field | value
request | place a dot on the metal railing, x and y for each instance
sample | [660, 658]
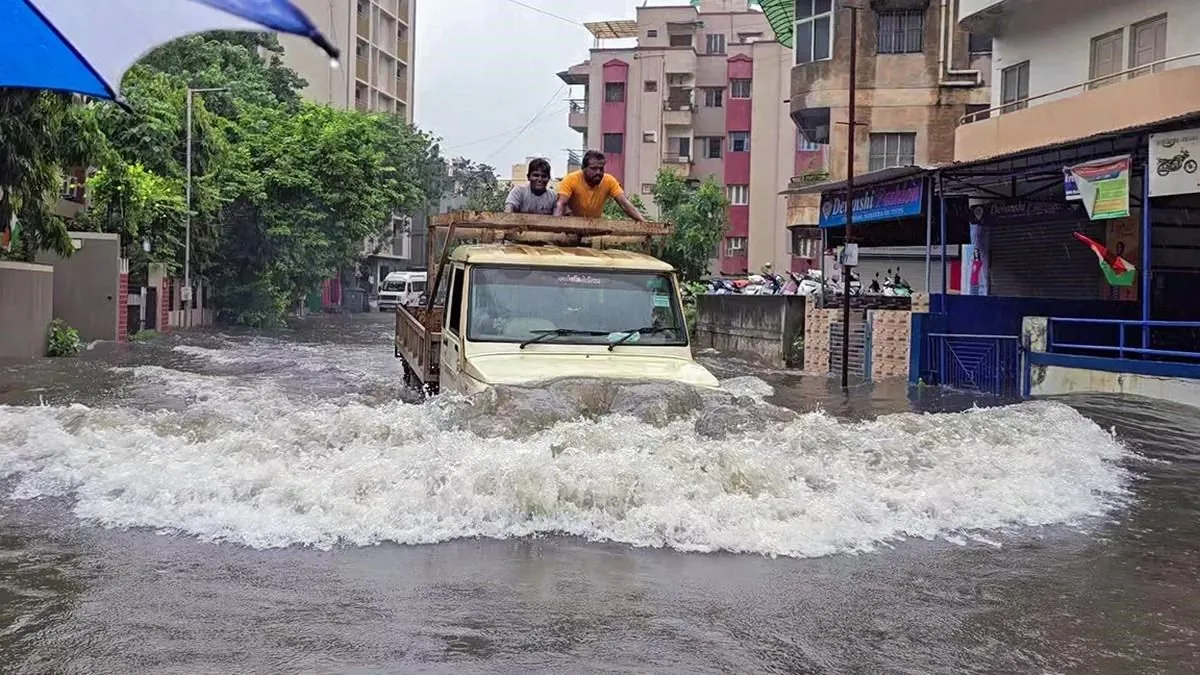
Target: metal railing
[985, 363]
[578, 106]
[1122, 345]
[1103, 80]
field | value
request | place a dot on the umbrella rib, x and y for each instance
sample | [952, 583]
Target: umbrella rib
[70, 45]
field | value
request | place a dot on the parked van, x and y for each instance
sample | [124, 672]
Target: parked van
[401, 289]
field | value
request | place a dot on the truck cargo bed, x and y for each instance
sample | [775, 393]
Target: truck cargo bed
[418, 343]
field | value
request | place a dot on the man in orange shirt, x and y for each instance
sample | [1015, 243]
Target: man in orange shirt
[585, 191]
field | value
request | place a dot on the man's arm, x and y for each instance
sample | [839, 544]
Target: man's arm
[560, 207]
[629, 208]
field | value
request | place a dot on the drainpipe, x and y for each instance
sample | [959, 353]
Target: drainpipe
[946, 54]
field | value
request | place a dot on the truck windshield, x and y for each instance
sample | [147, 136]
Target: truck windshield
[512, 304]
[392, 286]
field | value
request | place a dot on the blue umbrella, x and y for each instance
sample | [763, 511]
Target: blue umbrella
[85, 46]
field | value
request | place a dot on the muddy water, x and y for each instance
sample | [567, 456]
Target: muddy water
[230, 502]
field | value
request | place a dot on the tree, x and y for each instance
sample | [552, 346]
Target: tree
[699, 214]
[478, 183]
[613, 210]
[41, 135]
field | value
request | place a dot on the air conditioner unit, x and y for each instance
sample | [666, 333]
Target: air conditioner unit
[649, 136]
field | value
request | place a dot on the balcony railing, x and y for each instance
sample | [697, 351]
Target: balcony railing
[677, 158]
[578, 106]
[1093, 83]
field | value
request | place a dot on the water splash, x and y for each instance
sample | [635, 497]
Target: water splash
[249, 462]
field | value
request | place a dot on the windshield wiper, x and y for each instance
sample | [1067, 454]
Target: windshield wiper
[629, 334]
[540, 335]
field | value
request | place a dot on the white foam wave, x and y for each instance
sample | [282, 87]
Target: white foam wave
[254, 468]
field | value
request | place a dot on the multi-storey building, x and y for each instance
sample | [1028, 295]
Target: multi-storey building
[376, 40]
[918, 74]
[698, 85]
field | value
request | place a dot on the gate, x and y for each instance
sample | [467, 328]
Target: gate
[150, 307]
[860, 348]
[990, 364]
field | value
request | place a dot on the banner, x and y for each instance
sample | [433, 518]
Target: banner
[1122, 238]
[1173, 167]
[1102, 185]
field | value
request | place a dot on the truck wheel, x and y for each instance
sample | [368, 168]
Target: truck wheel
[409, 379]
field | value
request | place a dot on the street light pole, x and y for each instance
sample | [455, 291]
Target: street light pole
[852, 128]
[187, 232]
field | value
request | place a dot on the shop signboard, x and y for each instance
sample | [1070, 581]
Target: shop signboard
[1173, 163]
[873, 203]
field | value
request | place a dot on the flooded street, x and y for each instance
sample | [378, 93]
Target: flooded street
[231, 502]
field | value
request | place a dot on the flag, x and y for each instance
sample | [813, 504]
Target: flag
[1117, 270]
[9, 235]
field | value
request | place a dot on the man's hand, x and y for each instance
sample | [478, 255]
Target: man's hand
[561, 205]
[629, 209]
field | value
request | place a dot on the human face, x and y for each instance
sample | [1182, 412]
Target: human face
[593, 173]
[538, 180]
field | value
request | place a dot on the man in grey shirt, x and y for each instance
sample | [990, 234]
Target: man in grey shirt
[534, 197]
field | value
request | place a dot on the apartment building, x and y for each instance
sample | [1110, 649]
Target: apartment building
[1067, 70]
[376, 40]
[919, 73]
[701, 90]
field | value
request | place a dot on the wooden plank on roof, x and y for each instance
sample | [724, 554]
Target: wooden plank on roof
[513, 223]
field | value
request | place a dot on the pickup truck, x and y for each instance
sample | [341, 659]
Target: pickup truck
[537, 298]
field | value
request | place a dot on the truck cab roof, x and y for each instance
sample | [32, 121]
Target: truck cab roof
[557, 256]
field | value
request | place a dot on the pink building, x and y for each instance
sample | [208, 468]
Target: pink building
[701, 91]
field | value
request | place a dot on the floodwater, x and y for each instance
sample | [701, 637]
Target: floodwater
[239, 503]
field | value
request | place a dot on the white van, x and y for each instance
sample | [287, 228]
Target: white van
[401, 288]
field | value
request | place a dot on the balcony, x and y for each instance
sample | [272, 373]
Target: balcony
[986, 17]
[577, 116]
[361, 68]
[1150, 93]
[364, 26]
[679, 164]
[403, 12]
[678, 108]
[679, 61]
[576, 75]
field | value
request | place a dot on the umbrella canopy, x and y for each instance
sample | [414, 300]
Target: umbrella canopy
[85, 46]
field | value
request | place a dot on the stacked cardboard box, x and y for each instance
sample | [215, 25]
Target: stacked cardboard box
[816, 338]
[891, 336]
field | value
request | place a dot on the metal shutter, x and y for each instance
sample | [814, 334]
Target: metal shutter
[1043, 260]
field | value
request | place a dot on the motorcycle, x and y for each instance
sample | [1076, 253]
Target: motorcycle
[1183, 160]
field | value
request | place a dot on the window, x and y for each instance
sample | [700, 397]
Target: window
[735, 246]
[614, 144]
[1147, 44]
[739, 88]
[1014, 87]
[739, 195]
[979, 44]
[650, 86]
[614, 92]
[400, 70]
[647, 188]
[679, 147]
[712, 147]
[805, 145]
[681, 39]
[804, 245]
[714, 43]
[900, 32]
[813, 34]
[454, 306]
[1106, 57]
[739, 141]
[714, 97]
[651, 33]
[977, 112]
[893, 149]
[514, 304]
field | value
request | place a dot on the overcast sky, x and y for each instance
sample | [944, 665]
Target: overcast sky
[485, 68]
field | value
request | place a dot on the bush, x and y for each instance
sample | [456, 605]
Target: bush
[63, 340]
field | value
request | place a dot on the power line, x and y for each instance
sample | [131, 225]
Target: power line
[539, 10]
[528, 124]
[546, 115]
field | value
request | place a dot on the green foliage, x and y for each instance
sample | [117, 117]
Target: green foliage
[62, 340]
[699, 216]
[40, 134]
[478, 184]
[613, 210]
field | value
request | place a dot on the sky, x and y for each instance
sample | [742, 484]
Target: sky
[486, 68]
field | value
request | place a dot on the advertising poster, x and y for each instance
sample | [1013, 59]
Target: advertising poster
[1122, 238]
[974, 263]
[1173, 163]
[1102, 185]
